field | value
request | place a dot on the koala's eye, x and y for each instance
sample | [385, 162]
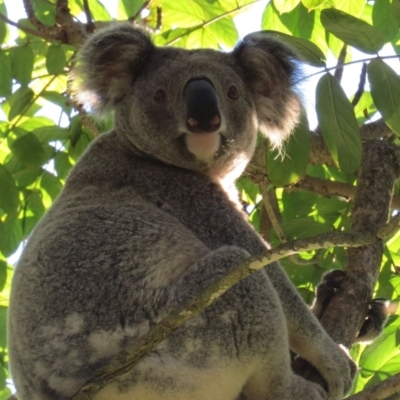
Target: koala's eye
[160, 96]
[233, 93]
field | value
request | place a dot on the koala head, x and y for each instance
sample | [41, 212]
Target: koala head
[196, 109]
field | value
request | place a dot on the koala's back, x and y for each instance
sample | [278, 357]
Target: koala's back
[117, 253]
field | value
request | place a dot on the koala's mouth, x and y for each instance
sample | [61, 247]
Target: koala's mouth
[203, 146]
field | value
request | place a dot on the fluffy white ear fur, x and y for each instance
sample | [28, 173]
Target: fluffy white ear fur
[271, 70]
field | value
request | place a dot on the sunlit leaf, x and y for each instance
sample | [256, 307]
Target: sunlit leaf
[22, 64]
[272, 21]
[225, 32]
[375, 356]
[284, 6]
[184, 14]
[288, 168]
[352, 7]
[312, 4]
[128, 8]
[352, 31]
[55, 60]
[385, 90]
[338, 124]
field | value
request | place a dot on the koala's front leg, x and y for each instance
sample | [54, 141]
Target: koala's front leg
[308, 339]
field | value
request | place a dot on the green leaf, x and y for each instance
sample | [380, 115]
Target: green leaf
[271, 20]
[352, 7]
[380, 351]
[383, 19]
[3, 24]
[22, 63]
[352, 31]
[29, 150]
[308, 52]
[9, 196]
[3, 274]
[44, 11]
[365, 108]
[303, 227]
[53, 133]
[20, 101]
[34, 202]
[286, 169]
[338, 124]
[385, 90]
[55, 60]
[62, 165]
[128, 8]
[51, 184]
[6, 74]
[285, 6]
[396, 11]
[10, 235]
[58, 99]
[184, 14]
[224, 31]
[312, 4]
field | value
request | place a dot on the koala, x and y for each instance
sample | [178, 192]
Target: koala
[376, 316]
[149, 218]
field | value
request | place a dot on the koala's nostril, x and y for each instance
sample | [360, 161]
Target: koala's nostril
[196, 126]
[202, 112]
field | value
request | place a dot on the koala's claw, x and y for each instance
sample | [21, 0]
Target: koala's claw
[374, 321]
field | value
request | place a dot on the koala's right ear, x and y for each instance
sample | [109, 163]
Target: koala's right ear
[108, 63]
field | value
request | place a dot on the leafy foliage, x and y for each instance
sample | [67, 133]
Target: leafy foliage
[43, 133]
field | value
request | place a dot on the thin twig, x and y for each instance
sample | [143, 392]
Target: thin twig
[88, 14]
[361, 85]
[339, 66]
[134, 17]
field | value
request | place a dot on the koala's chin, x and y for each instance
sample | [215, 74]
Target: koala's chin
[204, 146]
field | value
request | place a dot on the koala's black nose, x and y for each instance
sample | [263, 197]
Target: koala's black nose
[202, 113]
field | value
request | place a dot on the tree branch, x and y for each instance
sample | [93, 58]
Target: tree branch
[379, 170]
[328, 188]
[24, 28]
[380, 391]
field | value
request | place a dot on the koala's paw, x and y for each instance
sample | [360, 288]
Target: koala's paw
[340, 373]
[330, 285]
[374, 321]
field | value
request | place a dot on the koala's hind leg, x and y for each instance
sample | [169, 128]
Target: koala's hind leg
[277, 381]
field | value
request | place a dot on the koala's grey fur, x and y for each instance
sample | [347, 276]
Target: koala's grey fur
[148, 219]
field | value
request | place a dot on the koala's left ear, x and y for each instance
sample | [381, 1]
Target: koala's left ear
[270, 70]
[108, 64]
